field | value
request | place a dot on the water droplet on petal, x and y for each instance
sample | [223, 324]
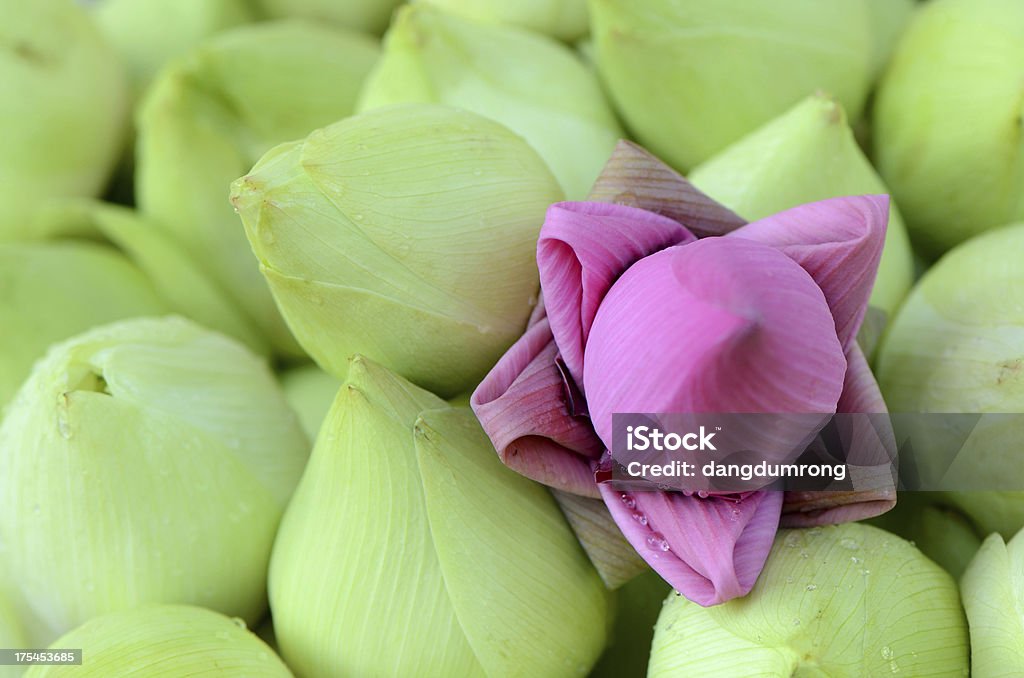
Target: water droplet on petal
[812, 587]
[640, 518]
[629, 501]
[887, 652]
[657, 542]
[239, 622]
[849, 544]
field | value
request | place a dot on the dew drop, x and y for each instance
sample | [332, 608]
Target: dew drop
[796, 622]
[894, 667]
[357, 217]
[239, 622]
[792, 539]
[855, 560]
[887, 652]
[849, 544]
[789, 580]
[657, 542]
[812, 587]
[865, 572]
[640, 518]
[628, 501]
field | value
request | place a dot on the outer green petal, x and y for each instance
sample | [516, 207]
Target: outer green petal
[562, 19]
[12, 634]
[993, 595]
[52, 291]
[149, 33]
[525, 594]
[210, 115]
[805, 155]
[63, 103]
[145, 461]
[955, 347]
[848, 600]
[691, 77]
[355, 584]
[310, 391]
[637, 605]
[407, 234]
[371, 16]
[534, 86]
[888, 20]
[947, 120]
[166, 641]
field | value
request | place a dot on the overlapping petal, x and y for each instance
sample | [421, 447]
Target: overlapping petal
[710, 549]
[583, 248]
[839, 242]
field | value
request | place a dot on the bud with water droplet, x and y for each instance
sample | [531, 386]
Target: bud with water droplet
[211, 114]
[805, 155]
[690, 77]
[148, 460]
[409, 549]
[165, 640]
[948, 120]
[840, 600]
[955, 347]
[63, 104]
[534, 86]
[407, 234]
[991, 588]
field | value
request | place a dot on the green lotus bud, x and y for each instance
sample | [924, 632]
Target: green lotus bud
[145, 461]
[992, 589]
[637, 605]
[165, 640]
[691, 77]
[955, 347]
[848, 600]
[407, 234]
[941, 531]
[370, 16]
[948, 120]
[482, 575]
[149, 33]
[562, 19]
[310, 392]
[534, 86]
[888, 20]
[63, 102]
[52, 291]
[805, 155]
[180, 283]
[210, 115]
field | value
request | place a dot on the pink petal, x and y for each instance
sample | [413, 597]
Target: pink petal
[874, 490]
[839, 242]
[718, 325]
[583, 248]
[635, 177]
[521, 405]
[710, 549]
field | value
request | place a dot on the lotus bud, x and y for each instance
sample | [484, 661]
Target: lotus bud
[212, 114]
[165, 640]
[407, 234]
[63, 100]
[149, 33]
[691, 77]
[842, 600]
[637, 605]
[942, 532]
[955, 347]
[536, 87]
[888, 20]
[310, 392]
[368, 16]
[54, 290]
[148, 460]
[562, 19]
[948, 120]
[482, 574]
[805, 155]
[992, 588]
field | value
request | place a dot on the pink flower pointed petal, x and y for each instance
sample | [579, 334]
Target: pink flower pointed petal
[720, 325]
[839, 242]
[874, 448]
[710, 549]
[521, 405]
[583, 248]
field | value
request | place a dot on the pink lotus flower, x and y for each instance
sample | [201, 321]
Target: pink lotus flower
[639, 314]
